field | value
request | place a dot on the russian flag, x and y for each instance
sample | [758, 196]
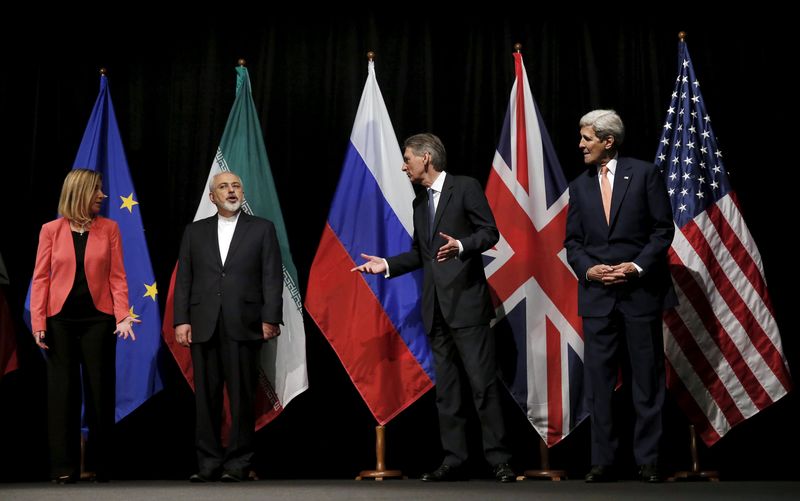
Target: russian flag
[373, 324]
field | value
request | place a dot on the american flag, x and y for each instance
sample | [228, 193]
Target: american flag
[723, 349]
[533, 288]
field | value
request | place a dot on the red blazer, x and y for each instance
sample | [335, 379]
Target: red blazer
[54, 273]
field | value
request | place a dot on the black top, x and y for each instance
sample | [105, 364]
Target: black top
[79, 304]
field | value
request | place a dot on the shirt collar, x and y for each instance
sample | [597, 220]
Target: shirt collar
[612, 165]
[439, 183]
[228, 220]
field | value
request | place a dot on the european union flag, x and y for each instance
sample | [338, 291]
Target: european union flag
[101, 149]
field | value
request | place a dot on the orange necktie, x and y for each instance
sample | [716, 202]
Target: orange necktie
[605, 191]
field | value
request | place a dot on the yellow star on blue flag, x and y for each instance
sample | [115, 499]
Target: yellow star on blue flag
[151, 291]
[101, 150]
[128, 202]
[132, 314]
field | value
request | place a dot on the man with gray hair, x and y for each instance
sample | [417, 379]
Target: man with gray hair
[619, 227]
[453, 225]
[228, 302]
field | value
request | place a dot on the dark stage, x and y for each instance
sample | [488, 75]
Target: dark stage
[297, 490]
[173, 84]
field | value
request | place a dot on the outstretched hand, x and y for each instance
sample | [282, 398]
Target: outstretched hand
[374, 265]
[125, 328]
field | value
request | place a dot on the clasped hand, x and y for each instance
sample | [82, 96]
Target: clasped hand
[612, 274]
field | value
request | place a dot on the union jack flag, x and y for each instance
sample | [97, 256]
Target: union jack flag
[723, 349]
[533, 288]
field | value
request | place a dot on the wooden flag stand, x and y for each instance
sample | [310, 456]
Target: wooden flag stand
[545, 472]
[696, 473]
[380, 472]
[85, 475]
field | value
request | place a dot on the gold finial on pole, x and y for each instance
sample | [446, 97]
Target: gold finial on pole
[371, 56]
[518, 47]
[242, 62]
[682, 36]
[104, 71]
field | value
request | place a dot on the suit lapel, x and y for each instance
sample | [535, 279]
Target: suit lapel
[65, 236]
[238, 234]
[595, 198]
[622, 179]
[444, 199]
[213, 237]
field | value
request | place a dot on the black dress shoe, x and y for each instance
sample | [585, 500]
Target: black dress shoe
[504, 473]
[649, 473]
[64, 479]
[600, 473]
[445, 473]
[233, 476]
[202, 477]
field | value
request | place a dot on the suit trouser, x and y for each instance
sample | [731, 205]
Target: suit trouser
[224, 362]
[469, 350]
[80, 349]
[644, 339]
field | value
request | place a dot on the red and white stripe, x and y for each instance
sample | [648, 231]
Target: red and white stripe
[724, 356]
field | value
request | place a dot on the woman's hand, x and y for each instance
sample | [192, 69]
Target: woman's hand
[125, 328]
[38, 338]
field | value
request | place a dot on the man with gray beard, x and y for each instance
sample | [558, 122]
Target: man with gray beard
[228, 302]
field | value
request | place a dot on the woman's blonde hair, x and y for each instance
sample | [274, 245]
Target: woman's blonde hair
[78, 193]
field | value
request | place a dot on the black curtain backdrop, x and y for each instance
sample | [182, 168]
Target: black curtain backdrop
[173, 84]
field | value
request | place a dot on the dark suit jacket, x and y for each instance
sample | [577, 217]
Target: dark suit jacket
[458, 284]
[247, 289]
[640, 230]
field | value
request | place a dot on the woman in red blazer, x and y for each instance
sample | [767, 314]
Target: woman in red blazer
[79, 300]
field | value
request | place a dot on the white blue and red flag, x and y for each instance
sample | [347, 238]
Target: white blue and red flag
[533, 288]
[723, 349]
[373, 324]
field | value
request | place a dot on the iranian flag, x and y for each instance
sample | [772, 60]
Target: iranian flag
[283, 373]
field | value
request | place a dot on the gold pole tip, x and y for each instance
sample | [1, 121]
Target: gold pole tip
[518, 47]
[242, 62]
[371, 56]
[682, 36]
[103, 71]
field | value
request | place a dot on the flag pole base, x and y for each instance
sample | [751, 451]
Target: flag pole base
[545, 472]
[85, 474]
[696, 473]
[379, 475]
[380, 472]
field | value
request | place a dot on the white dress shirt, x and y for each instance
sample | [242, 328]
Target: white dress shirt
[225, 228]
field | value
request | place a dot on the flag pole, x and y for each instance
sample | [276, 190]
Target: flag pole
[695, 473]
[544, 471]
[380, 472]
[86, 474]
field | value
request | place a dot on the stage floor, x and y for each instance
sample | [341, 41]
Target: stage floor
[413, 489]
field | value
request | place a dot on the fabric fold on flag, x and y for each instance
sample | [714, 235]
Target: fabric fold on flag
[535, 292]
[101, 149]
[8, 338]
[283, 373]
[725, 361]
[374, 325]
